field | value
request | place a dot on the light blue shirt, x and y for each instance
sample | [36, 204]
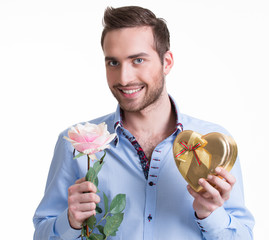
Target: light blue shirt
[158, 207]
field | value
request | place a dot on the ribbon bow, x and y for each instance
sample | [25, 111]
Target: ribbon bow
[195, 146]
[187, 147]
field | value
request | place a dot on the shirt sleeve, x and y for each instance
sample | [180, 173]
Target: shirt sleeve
[51, 219]
[231, 221]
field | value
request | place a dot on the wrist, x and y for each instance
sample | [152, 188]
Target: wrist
[201, 216]
[72, 223]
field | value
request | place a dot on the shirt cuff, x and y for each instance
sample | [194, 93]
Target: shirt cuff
[63, 228]
[216, 222]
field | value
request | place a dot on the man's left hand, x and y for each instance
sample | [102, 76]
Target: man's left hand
[216, 190]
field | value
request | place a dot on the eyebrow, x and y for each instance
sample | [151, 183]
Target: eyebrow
[142, 54]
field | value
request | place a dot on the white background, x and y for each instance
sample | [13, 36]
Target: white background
[52, 76]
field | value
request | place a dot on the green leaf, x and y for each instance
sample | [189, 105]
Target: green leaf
[91, 175]
[79, 155]
[91, 221]
[97, 166]
[114, 233]
[98, 209]
[113, 223]
[95, 236]
[102, 158]
[105, 202]
[118, 203]
[83, 231]
[101, 229]
[96, 182]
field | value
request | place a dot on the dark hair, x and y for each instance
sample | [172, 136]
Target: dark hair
[133, 16]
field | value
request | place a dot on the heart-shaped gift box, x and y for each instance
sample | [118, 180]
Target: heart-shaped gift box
[197, 155]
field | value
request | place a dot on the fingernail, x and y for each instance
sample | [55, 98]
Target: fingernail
[201, 181]
[218, 169]
[209, 177]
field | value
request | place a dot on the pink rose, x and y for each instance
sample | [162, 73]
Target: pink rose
[90, 138]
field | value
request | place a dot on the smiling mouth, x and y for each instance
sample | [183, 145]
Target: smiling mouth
[131, 91]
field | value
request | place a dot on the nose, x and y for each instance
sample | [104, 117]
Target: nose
[126, 74]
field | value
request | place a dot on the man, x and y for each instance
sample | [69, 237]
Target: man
[140, 161]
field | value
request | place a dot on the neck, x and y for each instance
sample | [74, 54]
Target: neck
[157, 120]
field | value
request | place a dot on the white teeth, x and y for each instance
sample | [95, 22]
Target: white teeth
[131, 91]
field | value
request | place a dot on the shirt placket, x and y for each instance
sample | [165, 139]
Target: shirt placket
[151, 173]
[151, 192]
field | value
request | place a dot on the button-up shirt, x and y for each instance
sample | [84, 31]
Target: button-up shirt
[158, 205]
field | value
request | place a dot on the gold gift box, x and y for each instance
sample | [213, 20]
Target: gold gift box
[197, 155]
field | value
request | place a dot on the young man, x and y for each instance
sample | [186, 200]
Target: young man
[140, 161]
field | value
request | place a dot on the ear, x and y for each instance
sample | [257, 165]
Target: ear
[168, 62]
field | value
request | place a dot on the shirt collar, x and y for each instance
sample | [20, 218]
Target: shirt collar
[179, 125]
[118, 118]
[118, 125]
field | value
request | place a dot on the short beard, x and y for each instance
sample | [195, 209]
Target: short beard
[149, 100]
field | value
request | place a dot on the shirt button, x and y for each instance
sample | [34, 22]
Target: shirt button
[151, 183]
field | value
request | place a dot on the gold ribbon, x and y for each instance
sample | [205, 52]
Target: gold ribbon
[198, 153]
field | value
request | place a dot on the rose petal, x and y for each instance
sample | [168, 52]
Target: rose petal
[90, 138]
[86, 147]
[76, 137]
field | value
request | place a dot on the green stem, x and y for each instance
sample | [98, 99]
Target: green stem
[89, 162]
[103, 218]
[87, 227]
[88, 233]
[102, 159]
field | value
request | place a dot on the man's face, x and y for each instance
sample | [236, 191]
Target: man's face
[134, 71]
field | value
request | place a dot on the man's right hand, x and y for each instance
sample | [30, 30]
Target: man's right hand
[82, 200]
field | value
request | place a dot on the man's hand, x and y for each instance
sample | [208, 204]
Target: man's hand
[210, 198]
[82, 200]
